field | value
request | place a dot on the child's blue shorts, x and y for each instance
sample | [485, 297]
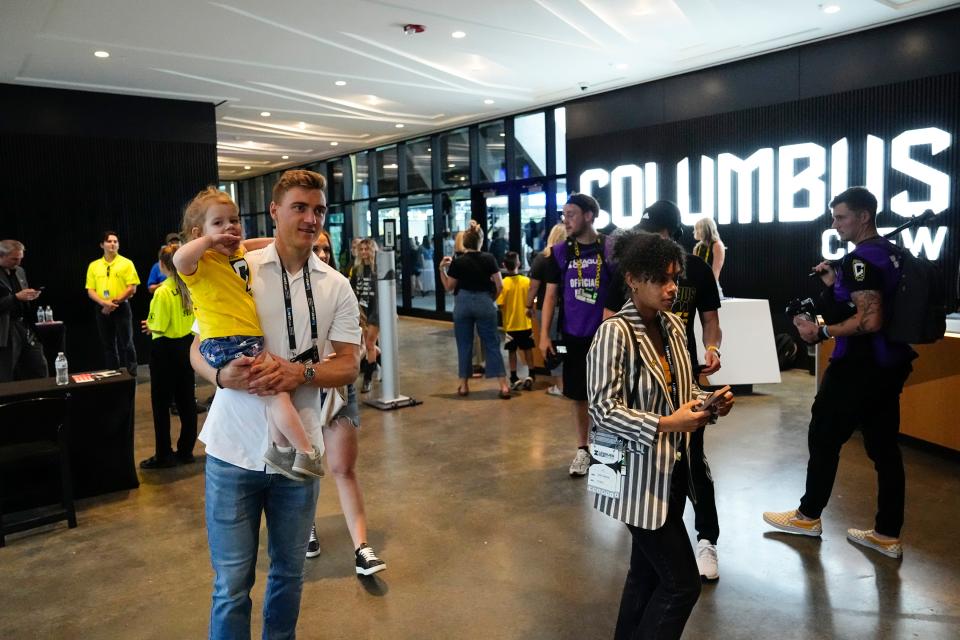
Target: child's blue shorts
[218, 352]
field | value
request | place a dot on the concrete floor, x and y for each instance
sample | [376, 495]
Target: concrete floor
[486, 536]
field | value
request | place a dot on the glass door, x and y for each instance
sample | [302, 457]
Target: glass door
[422, 274]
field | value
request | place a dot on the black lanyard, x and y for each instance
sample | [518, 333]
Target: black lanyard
[668, 353]
[311, 353]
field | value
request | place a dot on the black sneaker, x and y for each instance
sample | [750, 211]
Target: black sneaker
[184, 458]
[153, 462]
[313, 546]
[367, 561]
[367, 385]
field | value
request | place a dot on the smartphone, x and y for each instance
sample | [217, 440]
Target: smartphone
[710, 400]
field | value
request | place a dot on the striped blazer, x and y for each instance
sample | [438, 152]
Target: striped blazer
[649, 456]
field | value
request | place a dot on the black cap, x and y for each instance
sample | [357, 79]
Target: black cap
[662, 214]
[585, 202]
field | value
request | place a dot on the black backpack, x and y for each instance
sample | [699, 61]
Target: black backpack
[918, 314]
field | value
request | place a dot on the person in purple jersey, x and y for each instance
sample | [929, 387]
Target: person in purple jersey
[579, 277]
[862, 384]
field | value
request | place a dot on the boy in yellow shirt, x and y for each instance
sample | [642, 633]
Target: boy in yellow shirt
[516, 320]
[213, 266]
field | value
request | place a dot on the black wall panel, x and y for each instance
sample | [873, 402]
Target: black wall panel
[881, 83]
[73, 164]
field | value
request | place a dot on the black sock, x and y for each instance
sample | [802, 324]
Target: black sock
[513, 376]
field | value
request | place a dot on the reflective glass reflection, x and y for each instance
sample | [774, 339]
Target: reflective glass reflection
[388, 175]
[493, 158]
[530, 145]
[455, 158]
[418, 154]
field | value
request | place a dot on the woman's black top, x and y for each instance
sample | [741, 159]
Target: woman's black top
[472, 271]
[539, 271]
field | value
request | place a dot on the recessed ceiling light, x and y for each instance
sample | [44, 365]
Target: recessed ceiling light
[284, 157]
[265, 114]
[503, 135]
[463, 177]
[251, 142]
[428, 149]
[102, 54]
[302, 125]
[372, 99]
[830, 8]
[334, 143]
[458, 34]
[488, 101]
[452, 165]
[341, 83]
[390, 166]
[399, 125]
[246, 167]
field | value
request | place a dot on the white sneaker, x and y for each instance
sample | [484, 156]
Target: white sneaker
[554, 390]
[313, 545]
[707, 561]
[580, 464]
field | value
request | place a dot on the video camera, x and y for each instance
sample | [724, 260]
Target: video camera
[805, 307]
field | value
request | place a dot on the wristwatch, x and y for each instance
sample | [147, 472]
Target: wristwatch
[308, 373]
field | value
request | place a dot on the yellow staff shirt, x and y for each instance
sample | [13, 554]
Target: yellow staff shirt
[222, 301]
[167, 319]
[513, 299]
[111, 279]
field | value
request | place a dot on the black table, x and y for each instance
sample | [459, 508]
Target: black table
[101, 442]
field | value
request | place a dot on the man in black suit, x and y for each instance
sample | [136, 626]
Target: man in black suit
[21, 355]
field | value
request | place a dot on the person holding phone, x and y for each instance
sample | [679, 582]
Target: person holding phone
[21, 354]
[643, 401]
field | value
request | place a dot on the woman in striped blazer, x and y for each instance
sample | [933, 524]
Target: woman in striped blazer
[642, 399]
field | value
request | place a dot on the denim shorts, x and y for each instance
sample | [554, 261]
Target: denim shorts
[351, 410]
[219, 352]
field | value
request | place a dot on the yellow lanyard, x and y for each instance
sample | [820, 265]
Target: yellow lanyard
[576, 252]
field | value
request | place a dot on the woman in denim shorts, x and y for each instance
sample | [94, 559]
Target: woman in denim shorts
[340, 439]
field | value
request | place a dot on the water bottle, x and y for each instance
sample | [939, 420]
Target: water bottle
[48, 313]
[41, 315]
[61, 364]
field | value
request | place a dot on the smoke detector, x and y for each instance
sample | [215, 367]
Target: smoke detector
[413, 29]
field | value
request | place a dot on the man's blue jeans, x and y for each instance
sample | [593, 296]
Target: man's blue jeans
[235, 499]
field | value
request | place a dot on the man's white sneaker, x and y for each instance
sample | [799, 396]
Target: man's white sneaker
[707, 561]
[554, 390]
[580, 464]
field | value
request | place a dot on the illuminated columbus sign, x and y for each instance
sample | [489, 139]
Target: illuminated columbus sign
[785, 194]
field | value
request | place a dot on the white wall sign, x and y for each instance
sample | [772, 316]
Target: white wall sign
[808, 170]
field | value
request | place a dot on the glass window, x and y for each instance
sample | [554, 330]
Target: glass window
[456, 209]
[361, 172]
[419, 176]
[455, 158]
[493, 157]
[533, 234]
[560, 120]
[256, 204]
[419, 257]
[530, 145]
[337, 168]
[388, 176]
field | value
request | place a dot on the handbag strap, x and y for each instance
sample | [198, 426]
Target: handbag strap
[631, 399]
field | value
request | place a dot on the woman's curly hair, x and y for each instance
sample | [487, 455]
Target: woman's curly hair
[647, 256]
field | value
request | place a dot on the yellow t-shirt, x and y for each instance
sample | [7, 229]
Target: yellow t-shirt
[167, 319]
[513, 299]
[111, 279]
[222, 300]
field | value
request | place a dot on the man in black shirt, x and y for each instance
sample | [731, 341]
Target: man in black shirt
[21, 355]
[697, 292]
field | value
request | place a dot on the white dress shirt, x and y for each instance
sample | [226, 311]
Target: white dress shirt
[235, 430]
